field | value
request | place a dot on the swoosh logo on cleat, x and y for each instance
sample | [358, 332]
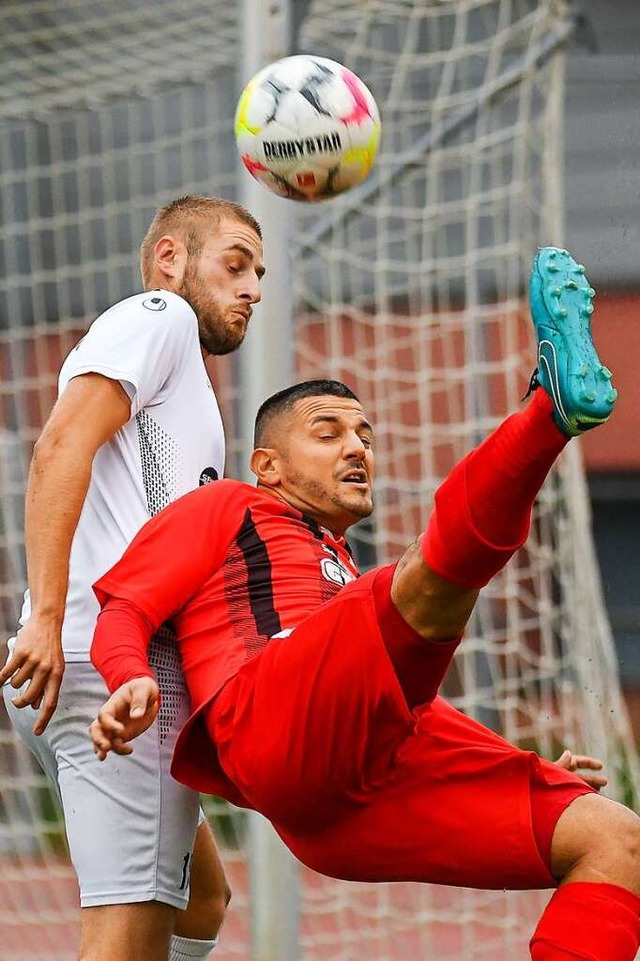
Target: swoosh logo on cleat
[554, 382]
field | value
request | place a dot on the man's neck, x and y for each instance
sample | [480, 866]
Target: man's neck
[320, 521]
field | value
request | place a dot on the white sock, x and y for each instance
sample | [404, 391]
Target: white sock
[186, 949]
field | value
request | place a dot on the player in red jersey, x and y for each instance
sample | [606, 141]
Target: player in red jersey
[323, 714]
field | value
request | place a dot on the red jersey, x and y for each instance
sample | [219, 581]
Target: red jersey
[228, 566]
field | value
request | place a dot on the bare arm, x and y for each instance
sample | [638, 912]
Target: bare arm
[89, 411]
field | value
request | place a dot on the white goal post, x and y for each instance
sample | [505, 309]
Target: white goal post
[411, 288]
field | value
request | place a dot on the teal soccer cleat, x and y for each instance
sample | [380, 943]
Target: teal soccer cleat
[569, 369]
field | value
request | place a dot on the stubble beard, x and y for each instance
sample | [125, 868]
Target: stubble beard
[313, 490]
[217, 336]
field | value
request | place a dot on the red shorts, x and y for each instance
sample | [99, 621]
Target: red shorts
[317, 735]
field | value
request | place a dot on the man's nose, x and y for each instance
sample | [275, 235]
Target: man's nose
[354, 446]
[252, 291]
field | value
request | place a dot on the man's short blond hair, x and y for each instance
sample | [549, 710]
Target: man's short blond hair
[189, 218]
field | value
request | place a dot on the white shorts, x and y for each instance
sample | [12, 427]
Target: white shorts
[130, 825]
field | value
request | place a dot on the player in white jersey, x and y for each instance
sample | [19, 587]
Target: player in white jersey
[136, 425]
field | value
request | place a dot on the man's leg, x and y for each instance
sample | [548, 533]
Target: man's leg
[481, 516]
[482, 511]
[196, 929]
[455, 809]
[595, 913]
[202, 876]
[108, 932]
[465, 808]
[131, 833]
[152, 931]
[135, 932]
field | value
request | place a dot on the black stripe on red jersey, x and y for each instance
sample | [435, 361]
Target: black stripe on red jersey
[313, 526]
[259, 580]
[320, 533]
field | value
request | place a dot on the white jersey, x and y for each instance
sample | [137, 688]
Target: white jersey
[173, 441]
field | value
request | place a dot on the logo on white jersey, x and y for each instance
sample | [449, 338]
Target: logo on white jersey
[333, 570]
[154, 303]
[208, 476]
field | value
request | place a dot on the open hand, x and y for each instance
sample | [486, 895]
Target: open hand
[130, 710]
[37, 658]
[582, 764]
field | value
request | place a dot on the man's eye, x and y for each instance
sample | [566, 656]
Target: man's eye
[367, 441]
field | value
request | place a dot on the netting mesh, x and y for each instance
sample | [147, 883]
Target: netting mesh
[412, 289]
[83, 53]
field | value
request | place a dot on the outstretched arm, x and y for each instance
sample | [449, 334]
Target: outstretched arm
[89, 411]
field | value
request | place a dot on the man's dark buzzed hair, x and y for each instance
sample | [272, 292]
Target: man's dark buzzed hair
[285, 400]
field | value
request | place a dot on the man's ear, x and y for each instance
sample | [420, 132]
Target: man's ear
[169, 260]
[265, 464]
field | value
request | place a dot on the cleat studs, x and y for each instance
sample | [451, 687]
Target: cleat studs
[591, 293]
[579, 268]
[571, 285]
[612, 396]
[553, 253]
[560, 312]
[586, 311]
[555, 291]
[588, 395]
[606, 373]
[583, 370]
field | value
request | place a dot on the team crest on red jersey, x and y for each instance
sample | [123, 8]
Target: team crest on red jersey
[336, 572]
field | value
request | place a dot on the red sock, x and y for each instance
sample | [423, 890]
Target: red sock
[588, 922]
[482, 511]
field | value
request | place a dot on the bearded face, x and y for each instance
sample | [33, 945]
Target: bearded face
[221, 282]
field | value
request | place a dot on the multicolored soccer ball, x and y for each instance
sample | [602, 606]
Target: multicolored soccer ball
[307, 128]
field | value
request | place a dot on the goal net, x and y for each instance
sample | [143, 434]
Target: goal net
[411, 288]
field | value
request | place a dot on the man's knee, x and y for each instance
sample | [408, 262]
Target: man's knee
[205, 912]
[209, 891]
[597, 839]
[138, 932]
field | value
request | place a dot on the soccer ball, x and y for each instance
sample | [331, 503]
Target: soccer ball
[307, 128]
